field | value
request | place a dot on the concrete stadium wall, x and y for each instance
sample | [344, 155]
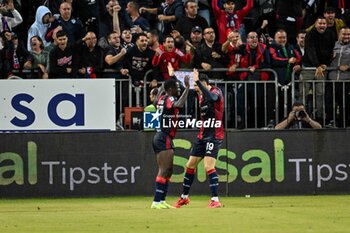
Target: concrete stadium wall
[123, 163]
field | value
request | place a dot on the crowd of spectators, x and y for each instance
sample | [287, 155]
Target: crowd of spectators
[79, 39]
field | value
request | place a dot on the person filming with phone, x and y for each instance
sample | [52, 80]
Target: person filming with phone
[298, 119]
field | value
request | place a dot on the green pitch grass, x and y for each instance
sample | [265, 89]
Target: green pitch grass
[299, 214]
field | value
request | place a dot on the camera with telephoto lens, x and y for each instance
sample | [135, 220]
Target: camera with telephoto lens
[300, 114]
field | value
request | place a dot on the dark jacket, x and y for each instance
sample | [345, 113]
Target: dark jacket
[138, 63]
[93, 59]
[176, 9]
[279, 62]
[204, 54]
[60, 61]
[185, 24]
[318, 48]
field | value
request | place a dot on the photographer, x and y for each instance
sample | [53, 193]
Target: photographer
[298, 119]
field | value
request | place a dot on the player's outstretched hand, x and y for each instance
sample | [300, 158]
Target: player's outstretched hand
[195, 75]
[170, 69]
[187, 81]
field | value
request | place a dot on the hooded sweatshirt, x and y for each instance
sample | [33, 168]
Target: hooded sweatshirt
[38, 28]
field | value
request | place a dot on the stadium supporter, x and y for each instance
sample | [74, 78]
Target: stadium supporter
[114, 53]
[208, 141]
[179, 41]
[168, 107]
[300, 46]
[341, 62]
[126, 39]
[53, 5]
[138, 60]
[288, 15]
[309, 12]
[333, 23]
[338, 5]
[229, 18]
[88, 11]
[63, 63]
[54, 39]
[5, 54]
[114, 58]
[254, 55]
[41, 56]
[107, 15]
[168, 14]
[283, 59]
[43, 19]
[229, 47]
[319, 44]
[194, 42]
[19, 56]
[7, 23]
[168, 53]
[298, 119]
[153, 39]
[204, 10]
[266, 15]
[341, 59]
[209, 54]
[196, 37]
[91, 57]
[185, 24]
[116, 19]
[72, 26]
[346, 14]
[135, 20]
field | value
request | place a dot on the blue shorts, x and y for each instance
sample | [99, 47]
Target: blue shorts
[202, 148]
[162, 142]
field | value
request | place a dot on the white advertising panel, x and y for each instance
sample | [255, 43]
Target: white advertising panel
[57, 105]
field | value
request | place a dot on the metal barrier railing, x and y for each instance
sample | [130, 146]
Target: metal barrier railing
[246, 85]
[332, 105]
[326, 100]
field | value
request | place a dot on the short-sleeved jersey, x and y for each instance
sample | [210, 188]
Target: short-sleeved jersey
[169, 115]
[212, 111]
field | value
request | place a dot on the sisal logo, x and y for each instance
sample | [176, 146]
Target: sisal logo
[25, 169]
[20, 101]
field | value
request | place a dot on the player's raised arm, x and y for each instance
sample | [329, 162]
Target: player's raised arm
[181, 101]
[171, 71]
[161, 89]
[211, 96]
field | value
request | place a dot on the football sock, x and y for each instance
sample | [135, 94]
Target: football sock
[213, 182]
[162, 199]
[160, 188]
[188, 180]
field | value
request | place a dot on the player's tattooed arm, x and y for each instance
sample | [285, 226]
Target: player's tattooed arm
[208, 95]
[161, 91]
[182, 100]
